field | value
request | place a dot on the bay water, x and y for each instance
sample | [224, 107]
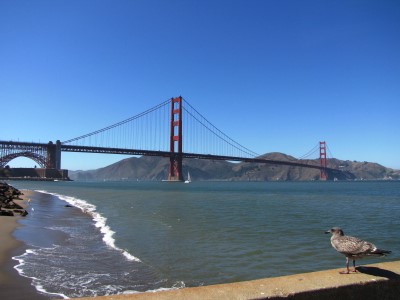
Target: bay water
[128, 237]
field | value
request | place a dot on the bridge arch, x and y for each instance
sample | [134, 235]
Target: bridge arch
[39, 159]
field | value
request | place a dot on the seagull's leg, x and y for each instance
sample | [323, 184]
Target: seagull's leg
[354, 265]
[347, 267]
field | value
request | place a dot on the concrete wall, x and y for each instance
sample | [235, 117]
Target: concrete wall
[33, 173]
[371, 282]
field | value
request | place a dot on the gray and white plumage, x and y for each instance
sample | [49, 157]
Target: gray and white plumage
[352, 247]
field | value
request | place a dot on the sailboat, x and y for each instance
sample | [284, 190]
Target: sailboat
[188, 180]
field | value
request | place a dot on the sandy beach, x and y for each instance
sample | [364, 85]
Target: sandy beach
[12, 285]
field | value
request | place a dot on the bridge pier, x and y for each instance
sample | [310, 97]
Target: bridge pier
[58, 154]
[53, 155]
[175, 168]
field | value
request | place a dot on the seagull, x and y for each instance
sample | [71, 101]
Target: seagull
[353, 248]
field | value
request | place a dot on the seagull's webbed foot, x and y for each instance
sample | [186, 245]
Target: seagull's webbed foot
[347, 267]
[354, 266]
[347, 271]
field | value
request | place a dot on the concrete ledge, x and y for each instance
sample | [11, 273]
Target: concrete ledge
[377, 281]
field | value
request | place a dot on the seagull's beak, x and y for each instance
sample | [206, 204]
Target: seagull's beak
[327, 231]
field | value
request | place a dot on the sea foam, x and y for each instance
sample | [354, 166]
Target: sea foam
[100, 221]
[35, 281]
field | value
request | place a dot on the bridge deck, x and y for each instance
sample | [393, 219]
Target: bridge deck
[71, 148]
[104, 150]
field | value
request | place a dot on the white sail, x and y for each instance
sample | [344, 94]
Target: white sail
[188, 180]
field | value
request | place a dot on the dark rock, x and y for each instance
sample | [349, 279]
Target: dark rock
[7, 195]
[6, 213]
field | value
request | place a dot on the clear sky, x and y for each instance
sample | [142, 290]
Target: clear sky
[276, 76]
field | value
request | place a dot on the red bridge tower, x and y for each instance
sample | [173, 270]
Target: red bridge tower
[175, 160]
[322, 159]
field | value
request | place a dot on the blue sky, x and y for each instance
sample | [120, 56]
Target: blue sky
[276, 76]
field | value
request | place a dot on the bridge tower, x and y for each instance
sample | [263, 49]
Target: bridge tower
[175, 160]
[58, 154]
[53, 157]
[322, 160]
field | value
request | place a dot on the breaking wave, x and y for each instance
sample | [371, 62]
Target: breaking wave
[100, 221]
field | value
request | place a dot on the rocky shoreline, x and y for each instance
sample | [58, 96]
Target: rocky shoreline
[8, 207]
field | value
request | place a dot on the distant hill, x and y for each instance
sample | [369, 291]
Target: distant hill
[156, 168]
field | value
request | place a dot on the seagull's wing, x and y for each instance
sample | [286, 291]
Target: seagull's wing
[352, 245]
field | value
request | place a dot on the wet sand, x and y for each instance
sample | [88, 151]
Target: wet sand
[12, 285]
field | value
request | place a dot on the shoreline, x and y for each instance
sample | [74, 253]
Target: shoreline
[13, 285]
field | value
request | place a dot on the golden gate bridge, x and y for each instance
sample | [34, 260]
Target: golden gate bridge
[172, 129]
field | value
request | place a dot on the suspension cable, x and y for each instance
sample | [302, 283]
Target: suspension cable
[221, 135]
[312, 151]
[329, 151]
[119, 123]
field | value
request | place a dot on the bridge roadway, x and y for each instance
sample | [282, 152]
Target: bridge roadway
[72, 148]
[89, 149]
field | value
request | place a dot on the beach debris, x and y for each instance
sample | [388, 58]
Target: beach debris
[353, 248]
